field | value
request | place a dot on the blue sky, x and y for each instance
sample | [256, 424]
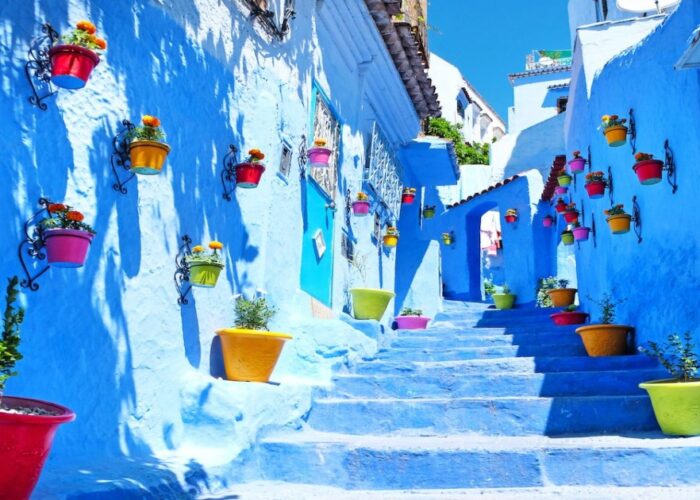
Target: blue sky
[488, 39]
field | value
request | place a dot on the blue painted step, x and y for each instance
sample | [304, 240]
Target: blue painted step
[454, 354]
[466, 340]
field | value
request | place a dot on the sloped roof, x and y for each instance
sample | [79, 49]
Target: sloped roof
[558, 168]
[487, 190]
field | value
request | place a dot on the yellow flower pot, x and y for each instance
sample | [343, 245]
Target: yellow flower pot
[616, 136]
[370, 303]
[250, 355]
[562, 297]
[604, 340]
[148, 157]
[619, 224]
[391, 241]
[675, 405]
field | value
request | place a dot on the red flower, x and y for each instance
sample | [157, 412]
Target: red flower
[56, 207]
[86, 26]
[75, 216]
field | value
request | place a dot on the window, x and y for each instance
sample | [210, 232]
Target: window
[285, 160]
[460, 108]
[347, 247]
[383, 173]
[326, 126]
[561, 104]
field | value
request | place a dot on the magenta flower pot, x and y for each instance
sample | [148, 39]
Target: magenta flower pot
[412, 322]
[319, 157]
[548, 221]
[561, 190]
[67, 247]
[577, 165]
[581, 233]
[360, 208]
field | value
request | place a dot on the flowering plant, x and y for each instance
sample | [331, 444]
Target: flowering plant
[577, 154]
[149, 130]
[571, 207]
[616, 210]
[596, 176]
[319, 142]
[643, 156]
[512, 211]
[612, 121]
[255, 156]
[409, 190]
[407, 311]
[10, 338]
[84, 36]
[200, 256]
[362, 196]
[63, 217]
[391, 231]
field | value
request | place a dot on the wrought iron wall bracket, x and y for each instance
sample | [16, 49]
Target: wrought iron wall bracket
[609, 182]
[120, 157]
[182, 271]
[590, 160]
[37, 69]
[267, 18]
[670, 167]
[637, 219]
[593, 231]
[303, 157]
[228, 173]
[32, 246]
[633, 131]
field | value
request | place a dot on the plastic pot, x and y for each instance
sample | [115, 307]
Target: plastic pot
[71, 65]
[447, 240]
[577, 165]
[571, 216]
[511, 219]
[560, 207]
[616, 136]
[147, 157]
[26, 443]
[250, 355]
[562, 297]
[649, 171]
[503, 300]
[429, 213]
[581, 233]
[319, 157]
[390, 240]
[67, 247]
[407, 199]
[412, 322]
[561, 190]
[619, 224]
[675, 405]
[567, 238]
[564, 180]
[248, 174]
[595, 189]
[569, 318]
[548, 221]
[204, 275]
[370, 303]
[604, 340]
[360, 208]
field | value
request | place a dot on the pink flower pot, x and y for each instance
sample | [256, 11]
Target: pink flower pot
[319, 157]
[560, 190]
[577, 165]
[649, 171]
[581, 233]
[360, 208]
[569, 318]
[548, 221]
[412, 322]
[595, 189]
[67, 247]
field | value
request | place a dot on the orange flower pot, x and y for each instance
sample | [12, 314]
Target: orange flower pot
[562, 297]
[616, 136]
[148, 157]
[604, 340]
[619, 224]
[250, 355]
[391, 241]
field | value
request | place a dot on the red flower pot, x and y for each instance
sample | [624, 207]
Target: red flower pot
[407, 199]
[560, 207]
[571, 216]
[649, 171]
[569, 318]
[248, 174]
[560, 190]
[360, 208]
[581, 233]
[67, 247]
[71, 65]
[26, 443]
[577, 165]
[510, 219]
[595, 189]
[548, 221]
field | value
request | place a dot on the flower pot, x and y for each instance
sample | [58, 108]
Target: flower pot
[564, 180]
[319, 157]
[407, 199]
[569, 318]
[604, 340]
[248, 174]
[548, 221]
[567, 238]
[390, 240]
[447, 240]
[204, 275]
[571, 216]
[577, 165]
[71, 65]
[595, 189]
[429, 213]
[675, 405]
[360, 208]
[67, 247]
[561, 190]
[370, 303]
[562, 297]
[503, 300]
[619, 224]
[581, 233]
[26, 443]
[147, 157]
[250, 355]
[616, 136]
[412, 322]
[511, 219]
[649, 171]
[560, 208]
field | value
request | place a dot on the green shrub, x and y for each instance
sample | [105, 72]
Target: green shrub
[253, 314]
[467, 153]
[9, 343]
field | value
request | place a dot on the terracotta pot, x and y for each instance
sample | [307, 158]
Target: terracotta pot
[604, 340]
[407, 199]
[577, 165]
[248, 174]
[412, 322]
[595, 189]
[67, 247]
[569, 318]
[250, 355]
[548, 221]
[562, 297]
[571, 216]
[71, 65]
[360, 208]
[581, 233]
[147, 157]
[619, 224]
[649, 171]
[616, 136]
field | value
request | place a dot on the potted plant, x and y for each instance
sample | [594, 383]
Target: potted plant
[649, 171]
[553, 292]
[548, 221]
[560, 190]
[367, 303]
[67, 237]
[511, 215]
[75, 56]
[147, 151]
[205, 267]
[249, 172]
[560, 206]
[391, 237]
[595, 184]
[569, 316]
[489, 289]
[618, 220]
[27, 426]
[428, 211]
[411, 319]
[505, 299]
[614, 130]
[319, 154]
[577, 163]
[360, 207]
[408, 195]
[571, 213]
[564, 180]
[448, 238]
[249, 349]
[605, 338]
[581, 233]
[676, 400]
[567, 237]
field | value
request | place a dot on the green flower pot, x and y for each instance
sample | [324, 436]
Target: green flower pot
[503, 300]
[564, 180]
[204, 275]
[567, 238]
[675, 405]
[428, 213]
[370, 303]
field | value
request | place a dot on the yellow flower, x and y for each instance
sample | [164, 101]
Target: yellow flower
[606, 118]
[215, 245]
[198, 249]
[320, 142]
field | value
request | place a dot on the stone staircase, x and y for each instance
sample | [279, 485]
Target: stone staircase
[484, 399]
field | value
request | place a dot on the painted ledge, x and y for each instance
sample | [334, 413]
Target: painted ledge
[432, 161]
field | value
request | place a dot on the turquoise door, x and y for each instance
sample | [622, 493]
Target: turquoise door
[317, 247]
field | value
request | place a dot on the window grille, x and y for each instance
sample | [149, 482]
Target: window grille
[285, 161]
[383, 173]
[326, 126]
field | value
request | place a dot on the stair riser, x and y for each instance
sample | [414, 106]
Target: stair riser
[481, 353]
[485, 341]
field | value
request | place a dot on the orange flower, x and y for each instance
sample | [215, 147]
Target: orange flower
[56, 207]
[75, 216]
[150, 121]
[256, 154]
[101, 43]
[643, 156]
[198, 249]
[215, 245]
[86, 26]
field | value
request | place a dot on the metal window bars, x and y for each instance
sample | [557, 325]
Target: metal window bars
[326, 126]
[382, 174]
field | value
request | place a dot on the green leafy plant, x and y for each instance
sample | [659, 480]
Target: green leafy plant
[677, 356]
[9, 343]
[546, 284]
[607, 306]
[84, 36]
[618, 209]
[149, 130]
[489, 288]
[467, 153]
[407, 311]
[253, 314]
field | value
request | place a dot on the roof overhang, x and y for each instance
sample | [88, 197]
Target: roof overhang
[431, 160]
[691, 57]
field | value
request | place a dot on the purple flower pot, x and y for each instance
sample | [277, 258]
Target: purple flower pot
[577, 165]
[548, 221]
[319, 157]
[67, 247]
[412, 322]
[561, 190]
[581, 233]
[360, 208]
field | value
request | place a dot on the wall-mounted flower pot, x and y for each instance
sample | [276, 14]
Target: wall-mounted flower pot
[564, 180]
[250, 355]
[412, 322]
[26, 443]
[203, 274]
[447, 239]
[675, 405]
[562, 297]
[567, 238]
[360, 208]
[581, 233]
[619, 224]
[616, 136]
[649, 171]
[71, 65]
[147, 157]
[511, 219]
[561, 190]
[503, 300]
[565, 318]
[577, 165]
[319, 157]
[390, 240]
[548, 221]
[67, 247]
[571, 216]
[560, 207]
[248, 174]
[428, 213]
[604, 340]
[370, 303]
[408, 198]
[595, 189]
